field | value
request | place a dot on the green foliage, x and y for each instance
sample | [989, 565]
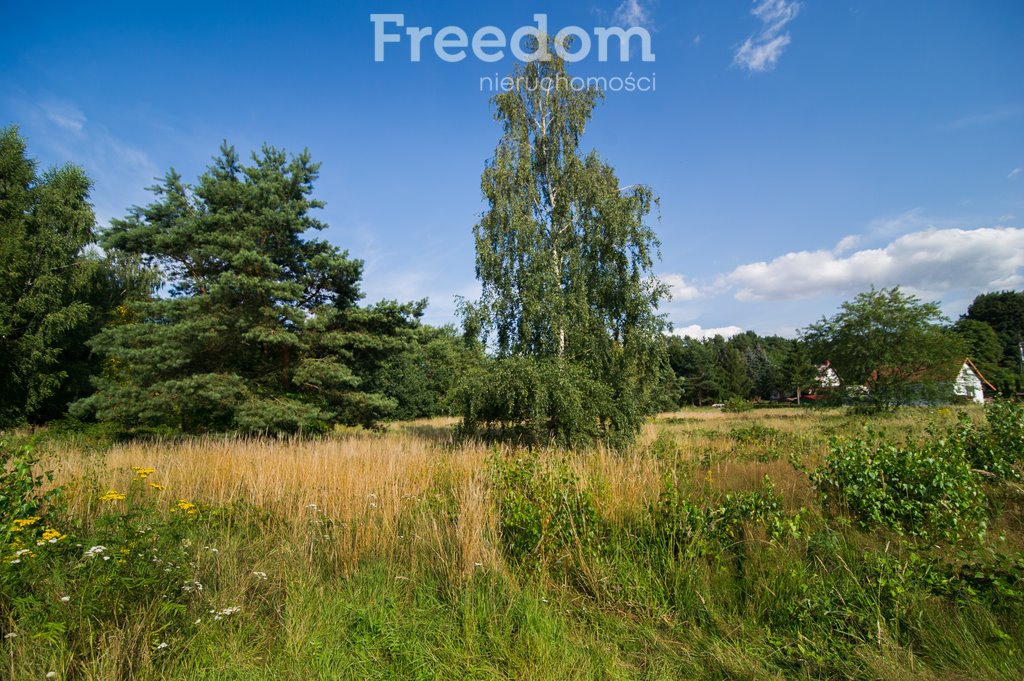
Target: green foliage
[54, 291]
[892, 343]
[564, 255]
[422, 377]
[744, 366]
[21, 488]
[925, 489]
[1003, 311]
[798, 371]
[545, 517]
[533, 401]
[736, 405]
[997, 445]
[696, 529]
[260, 331]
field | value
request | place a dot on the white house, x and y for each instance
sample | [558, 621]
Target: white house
[827, 376]
[970, 383]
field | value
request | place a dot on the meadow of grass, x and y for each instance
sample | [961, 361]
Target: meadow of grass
[706, 551]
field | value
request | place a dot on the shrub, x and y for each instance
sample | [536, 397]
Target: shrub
[735, 405]
[923, 490]
[997, 447]
[696, 529]
[533, 401]
[544, 515]
[21, 487]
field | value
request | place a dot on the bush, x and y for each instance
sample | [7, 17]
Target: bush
[923, 490]
[534, 402]
[545, 518]
[695, 529]
[735, 405]
[998, 446]
[21, 487]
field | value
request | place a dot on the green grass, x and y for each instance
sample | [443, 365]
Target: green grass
[721, 583]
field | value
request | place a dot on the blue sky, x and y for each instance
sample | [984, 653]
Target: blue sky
[803, 151]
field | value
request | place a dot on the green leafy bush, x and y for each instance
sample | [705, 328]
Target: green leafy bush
[922, 489]
[533, 401]
[21, 487]
[698, 529]
[735, 405]
[545, 516]
[997, 446]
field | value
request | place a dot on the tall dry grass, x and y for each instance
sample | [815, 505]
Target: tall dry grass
[366, 485]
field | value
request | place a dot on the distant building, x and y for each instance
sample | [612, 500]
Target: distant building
[971, 384]
[826, 381]
[827, 376]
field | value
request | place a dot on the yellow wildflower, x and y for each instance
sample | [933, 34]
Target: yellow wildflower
[112, 495]
[143, 473]
[22, 523]
[187, 506]
[50, 535]
[157, 486]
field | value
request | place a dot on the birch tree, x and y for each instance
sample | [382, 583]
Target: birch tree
[563, 251]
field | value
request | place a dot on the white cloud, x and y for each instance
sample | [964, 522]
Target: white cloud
[933, 260]
[985, 118]
[632, 13]
[1014, 173]
[119, 170]
[700, 333]
[65, 115]
[761, 51]
[679, 288]
[845, 244]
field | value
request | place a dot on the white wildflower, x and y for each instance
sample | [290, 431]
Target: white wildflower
[51, 675]
[192, 587]
[10, 636]
[65, 599]
[259, 575]
[162, 645]
[227, 612]
[95, 551]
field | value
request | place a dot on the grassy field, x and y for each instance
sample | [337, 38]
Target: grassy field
[705, 552]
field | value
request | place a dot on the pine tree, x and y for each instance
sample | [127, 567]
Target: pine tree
[257, 328]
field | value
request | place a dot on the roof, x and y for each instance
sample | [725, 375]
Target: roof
[976, 370]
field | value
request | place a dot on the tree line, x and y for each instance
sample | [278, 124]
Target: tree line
[885, 339]
[212, 309]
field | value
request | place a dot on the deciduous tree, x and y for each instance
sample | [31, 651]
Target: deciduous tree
[564, 252]
[890, 342]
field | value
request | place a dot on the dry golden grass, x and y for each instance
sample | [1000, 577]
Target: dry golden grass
[370, 483]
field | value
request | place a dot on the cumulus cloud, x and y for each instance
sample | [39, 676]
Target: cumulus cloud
[934, 260]
[1014, 173]
[700, 333]
[681, 290]
[631, 13]
[761, 51]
